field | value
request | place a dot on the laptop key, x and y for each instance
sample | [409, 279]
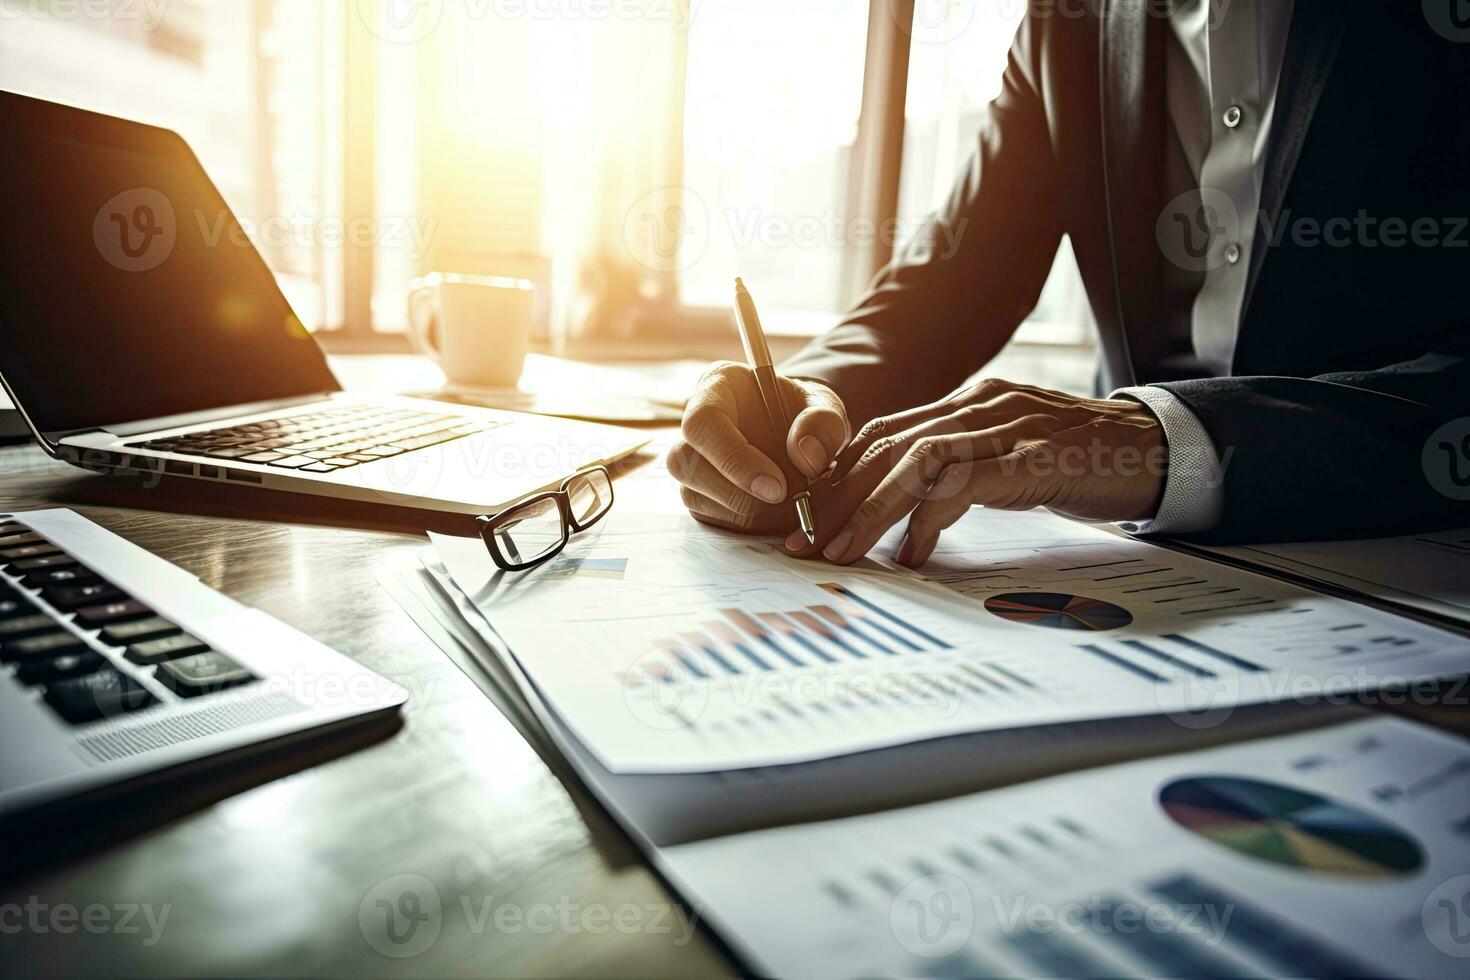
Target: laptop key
[71, 597]
[320, 468]
[266, 457]
[152, 652]
[59, 668]
[293, 462]
[23, 626]
[95, 617]
[105, 694]
[136, 631]
[44, 647]
[60, 576]
[341, 461]
[11, 606]
[9, 555]
[24, 537]
[30, 565]
[229, 452]
[203, 673]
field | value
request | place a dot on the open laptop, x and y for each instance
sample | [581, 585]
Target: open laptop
[143, 333]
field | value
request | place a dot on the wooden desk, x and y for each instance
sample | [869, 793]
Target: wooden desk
[266, 878]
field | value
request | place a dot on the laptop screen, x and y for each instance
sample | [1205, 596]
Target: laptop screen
[127, 290]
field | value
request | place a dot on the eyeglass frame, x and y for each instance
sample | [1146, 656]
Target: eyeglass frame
[570, 525]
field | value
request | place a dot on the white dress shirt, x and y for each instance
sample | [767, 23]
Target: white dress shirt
[1223, 67]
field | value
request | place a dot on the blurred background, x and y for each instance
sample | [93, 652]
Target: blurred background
[631, 157]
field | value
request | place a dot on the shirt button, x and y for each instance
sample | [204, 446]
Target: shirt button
[1232, 253]
[1232, 117]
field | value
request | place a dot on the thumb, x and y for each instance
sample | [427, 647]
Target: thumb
[819, 432]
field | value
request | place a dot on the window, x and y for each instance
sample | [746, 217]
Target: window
[631, 157]
[956, 60]
[771, 114]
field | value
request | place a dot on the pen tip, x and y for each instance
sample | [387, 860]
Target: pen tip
[739, 283]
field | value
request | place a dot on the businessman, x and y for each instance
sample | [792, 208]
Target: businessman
[1268, 204]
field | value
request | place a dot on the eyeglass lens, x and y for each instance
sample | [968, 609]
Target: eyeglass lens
[531, 532]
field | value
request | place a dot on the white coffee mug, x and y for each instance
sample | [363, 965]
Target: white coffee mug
[478, 328]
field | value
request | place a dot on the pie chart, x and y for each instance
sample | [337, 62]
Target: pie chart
[1290, 827]
[1059, 611]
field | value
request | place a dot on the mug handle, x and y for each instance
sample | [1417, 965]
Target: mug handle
[422, 319]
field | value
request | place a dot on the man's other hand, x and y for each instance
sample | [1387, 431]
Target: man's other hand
[728, 474]
[997, 444]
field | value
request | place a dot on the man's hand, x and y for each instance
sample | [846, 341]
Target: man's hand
[998, 444]
[728, 475]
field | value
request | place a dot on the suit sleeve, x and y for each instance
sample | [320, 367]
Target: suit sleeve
[952, 299]
[1345, 455]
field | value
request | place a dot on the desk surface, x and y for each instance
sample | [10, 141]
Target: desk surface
[262, 871]
[266, 878]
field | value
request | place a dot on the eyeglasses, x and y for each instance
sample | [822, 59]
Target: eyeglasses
[533, 531]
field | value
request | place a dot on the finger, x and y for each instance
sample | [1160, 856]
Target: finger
[698, 474]
[817, 434]
[938, 511]
[915, 479]
[710, 428]
[883, 433]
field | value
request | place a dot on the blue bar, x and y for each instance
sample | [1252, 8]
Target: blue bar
[921, 634]
[1169, 658]
[1211, 651]
[1117, 661]
[811, 647]
[714, 655]
[689, 664]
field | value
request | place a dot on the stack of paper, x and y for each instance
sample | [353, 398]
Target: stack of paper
[704, 685]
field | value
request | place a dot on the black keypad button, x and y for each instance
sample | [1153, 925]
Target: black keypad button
[95, 617]
[203, 673]
[9, 555]
[20, 627]
[105, 694]
[42, 647]
[24, 537]
[169, 648]
[138, 630]
[46, 564]
[69, 597]
[60, 576]
[60, 668]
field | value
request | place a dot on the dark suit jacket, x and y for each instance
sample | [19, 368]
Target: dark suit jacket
[1350, 354]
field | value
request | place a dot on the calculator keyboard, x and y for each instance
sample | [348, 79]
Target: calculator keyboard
[325, 441]
[90, 649]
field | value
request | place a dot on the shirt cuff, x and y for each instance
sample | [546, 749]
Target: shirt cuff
[1194, 492]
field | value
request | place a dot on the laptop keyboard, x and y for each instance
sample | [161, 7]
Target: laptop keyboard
[325, 441]
[92, 650]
